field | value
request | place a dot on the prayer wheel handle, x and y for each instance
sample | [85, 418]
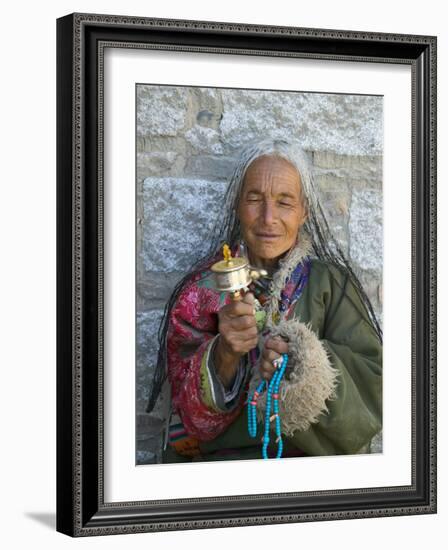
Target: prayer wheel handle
[236, 296]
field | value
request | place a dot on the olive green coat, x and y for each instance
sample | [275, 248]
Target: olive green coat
[331, 307]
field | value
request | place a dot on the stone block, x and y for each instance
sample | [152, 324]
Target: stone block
[161, 110]
[179, 215]
[345, 124]
[159, 164]
[371, 165]
[210, 167]
[376, 445]
[147, 326]
[206, 107]
[204, 140]
[145, 457]
[155, 288]
[162, 144]
[371, 280]
[362, 173]
[366, 229]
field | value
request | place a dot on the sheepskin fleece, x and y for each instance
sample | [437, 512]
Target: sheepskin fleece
[310, 380]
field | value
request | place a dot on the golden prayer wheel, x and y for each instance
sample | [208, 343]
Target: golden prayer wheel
[234, 274]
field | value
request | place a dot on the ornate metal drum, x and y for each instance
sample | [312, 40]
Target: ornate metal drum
[234, 274]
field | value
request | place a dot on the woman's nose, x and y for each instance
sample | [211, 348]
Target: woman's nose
[268, 213]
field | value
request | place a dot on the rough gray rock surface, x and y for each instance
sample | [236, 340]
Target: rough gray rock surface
[344, 124]
[188, 142]
[162, 110]
[366, 219]
[179, 215]
[147, 326]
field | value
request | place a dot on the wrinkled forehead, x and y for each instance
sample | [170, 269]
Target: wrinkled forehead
[273, 165]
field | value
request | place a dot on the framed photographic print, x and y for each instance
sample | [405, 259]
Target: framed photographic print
[246, 274]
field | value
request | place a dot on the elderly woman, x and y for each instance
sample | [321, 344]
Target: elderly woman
[311, 307]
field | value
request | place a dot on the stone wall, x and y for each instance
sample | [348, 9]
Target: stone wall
[188, 140]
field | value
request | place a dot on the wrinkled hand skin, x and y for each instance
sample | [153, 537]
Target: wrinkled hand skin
[273, 349]
[237, 336]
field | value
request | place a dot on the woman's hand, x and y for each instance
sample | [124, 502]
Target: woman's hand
[273, 349]
[237, 336]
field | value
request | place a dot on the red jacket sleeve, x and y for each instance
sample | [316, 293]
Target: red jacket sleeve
[193, 323]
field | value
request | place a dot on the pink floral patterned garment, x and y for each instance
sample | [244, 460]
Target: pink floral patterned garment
[192, 325]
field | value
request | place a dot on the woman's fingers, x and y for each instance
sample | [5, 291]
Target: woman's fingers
[239, 308]
[274, 348]
[277, 344]
[270, 355]
[243, 322]
[237, 326]
[267, 365]
[248, 299]
[267, 370]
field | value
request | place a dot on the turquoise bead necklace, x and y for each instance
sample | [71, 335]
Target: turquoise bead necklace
[271, 404]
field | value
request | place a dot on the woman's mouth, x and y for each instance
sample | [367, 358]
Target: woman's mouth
[268, 236]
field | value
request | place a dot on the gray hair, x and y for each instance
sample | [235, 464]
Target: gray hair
[227, 230]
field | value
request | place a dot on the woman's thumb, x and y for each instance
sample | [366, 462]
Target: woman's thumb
[249, 298]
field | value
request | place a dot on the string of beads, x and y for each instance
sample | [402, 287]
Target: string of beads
[271, 404]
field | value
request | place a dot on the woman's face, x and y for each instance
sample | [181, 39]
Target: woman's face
[271, 210]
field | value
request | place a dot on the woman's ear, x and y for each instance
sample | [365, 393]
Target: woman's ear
[305, 216]
[305, 213]
[237, 210]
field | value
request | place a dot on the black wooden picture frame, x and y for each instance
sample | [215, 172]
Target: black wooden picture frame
[81, 509]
